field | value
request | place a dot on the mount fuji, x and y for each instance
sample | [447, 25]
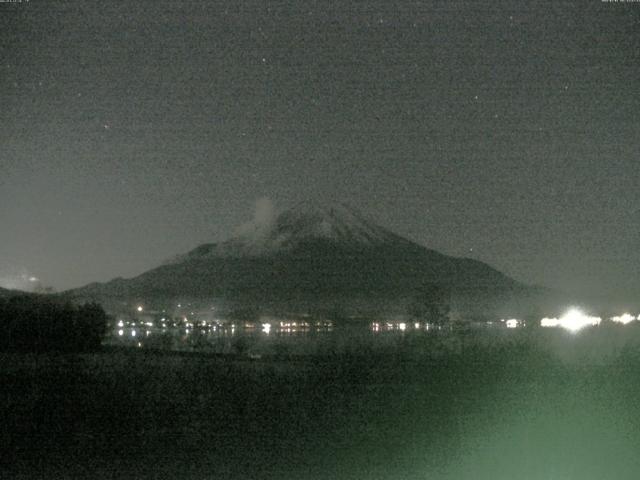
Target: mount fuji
[315, 255]
[334, 224]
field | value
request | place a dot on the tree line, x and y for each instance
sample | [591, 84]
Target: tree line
[40, 324]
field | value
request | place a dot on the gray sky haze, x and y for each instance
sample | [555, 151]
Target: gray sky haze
[505, 131]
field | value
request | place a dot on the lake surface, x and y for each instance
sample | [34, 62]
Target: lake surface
[484, 413]
[277, 337]
[328, 401]
[283, 337]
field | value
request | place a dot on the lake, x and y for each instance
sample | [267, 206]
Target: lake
[279, 337]
[332, 402]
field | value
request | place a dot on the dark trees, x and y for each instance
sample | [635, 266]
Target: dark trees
[431, 303]
[38, 324]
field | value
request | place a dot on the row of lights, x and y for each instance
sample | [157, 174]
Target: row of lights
[575, 320]
[402, 326]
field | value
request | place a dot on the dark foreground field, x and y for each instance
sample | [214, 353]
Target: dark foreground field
[516, 410]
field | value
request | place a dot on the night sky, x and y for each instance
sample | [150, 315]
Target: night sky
[506, 131]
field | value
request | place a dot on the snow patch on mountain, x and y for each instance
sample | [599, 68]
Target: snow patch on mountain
[335, 221]
[267, 233]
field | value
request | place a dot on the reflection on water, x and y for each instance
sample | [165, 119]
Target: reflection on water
[263, 337]
[280, 336]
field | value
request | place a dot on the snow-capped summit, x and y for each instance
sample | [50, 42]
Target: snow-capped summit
[333, 223]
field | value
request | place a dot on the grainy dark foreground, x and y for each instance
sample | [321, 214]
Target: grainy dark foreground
[492, 413]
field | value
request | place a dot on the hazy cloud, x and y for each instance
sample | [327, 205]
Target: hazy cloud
[263, 221]
[19, 279]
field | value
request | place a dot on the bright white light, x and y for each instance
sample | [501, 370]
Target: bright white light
[549, 322]
[121, 323]
[573, 321]
[511, 323]
[623, 319]
[266, 327]
[120, 332]
[139, 308]
[149, 324]
[416, 325]
[133, 333]
[402, 326]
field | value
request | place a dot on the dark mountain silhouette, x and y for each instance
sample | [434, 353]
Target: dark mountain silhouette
[315, 255]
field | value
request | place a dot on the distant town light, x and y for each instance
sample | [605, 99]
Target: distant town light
[266, 327]
[549, 322]
[573, 321]
[511, 323]
[139, 308]
[120, 332]
[121, 323]
[133, 333]
[402, 326]
[623, 319]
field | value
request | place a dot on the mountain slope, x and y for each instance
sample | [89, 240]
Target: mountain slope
[6, 293]
[312, 254]
[307, 222]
